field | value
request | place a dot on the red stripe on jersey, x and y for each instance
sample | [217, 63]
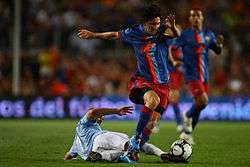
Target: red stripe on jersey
[146, 49]
[198, 50]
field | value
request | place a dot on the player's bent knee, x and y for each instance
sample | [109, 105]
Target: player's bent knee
[152, 104]
[151, 100]
[204, 100]
[201, 101]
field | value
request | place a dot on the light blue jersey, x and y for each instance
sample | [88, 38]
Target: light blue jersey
[86, 131]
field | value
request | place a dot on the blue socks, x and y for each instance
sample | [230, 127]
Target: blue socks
[143, 120]
[195, 118]
[191, 111]
[177, 113]
[195, 114]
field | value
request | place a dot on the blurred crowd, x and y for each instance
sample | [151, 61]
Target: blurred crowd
[54, 61]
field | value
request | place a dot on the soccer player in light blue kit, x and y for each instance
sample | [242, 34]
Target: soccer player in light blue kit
[92, 143]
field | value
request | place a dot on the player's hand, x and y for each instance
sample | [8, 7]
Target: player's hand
[170, 24]
[85, 34]
[170, 21]
[219, 40]
[169, 32]
[125, 110]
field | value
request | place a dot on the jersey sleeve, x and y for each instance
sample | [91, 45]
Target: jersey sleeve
[126, 35]
[212, 38]
[180, 41]
[84, 120]
[73, 150]
[213, 45]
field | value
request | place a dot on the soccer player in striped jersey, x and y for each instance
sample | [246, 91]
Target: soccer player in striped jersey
[148, 86]
[195, 43]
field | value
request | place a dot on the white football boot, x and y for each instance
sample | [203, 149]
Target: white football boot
[187, 123]
[179, 128]
[187, 129]
[187, 137]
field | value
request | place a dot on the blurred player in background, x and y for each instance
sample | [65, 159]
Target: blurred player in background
[91, 143]
[176, 80]
[148, 86]
[195, 43]
[175, 83]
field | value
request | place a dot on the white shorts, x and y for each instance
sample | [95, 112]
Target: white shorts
[110, 141]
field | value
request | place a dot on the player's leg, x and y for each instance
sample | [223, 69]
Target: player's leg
[174, 95]
[156, 128]
[150, 99]
[152, 123]
[110, 141]
[167, 157]
[200, 101]
[151, 149]
[162, 91]
[201, 104]
[191, 117]
[111, 155]
[111, 146]
[175, 83]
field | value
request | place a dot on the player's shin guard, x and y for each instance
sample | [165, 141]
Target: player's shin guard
[134, 142]
[148, 129]
[145, 116]
[145, 136]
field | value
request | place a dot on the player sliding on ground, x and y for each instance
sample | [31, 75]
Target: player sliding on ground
[91, 143]
[148, 86]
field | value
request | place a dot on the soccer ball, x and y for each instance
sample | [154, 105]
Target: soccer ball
[181, 149]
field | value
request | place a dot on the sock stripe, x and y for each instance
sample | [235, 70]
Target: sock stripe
[146, 110]
[147, 131]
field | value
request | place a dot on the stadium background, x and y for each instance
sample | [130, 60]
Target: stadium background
[55, 64]
[61, 76]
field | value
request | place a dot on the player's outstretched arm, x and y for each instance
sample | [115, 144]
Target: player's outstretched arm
[99, 112]
[86, 34]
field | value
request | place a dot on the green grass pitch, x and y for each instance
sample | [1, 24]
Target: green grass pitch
[35, 143]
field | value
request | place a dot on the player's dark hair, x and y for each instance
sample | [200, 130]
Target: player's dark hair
[151, 12]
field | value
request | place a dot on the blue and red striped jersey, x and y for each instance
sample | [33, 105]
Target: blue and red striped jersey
[195, 47]
[151, 55]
